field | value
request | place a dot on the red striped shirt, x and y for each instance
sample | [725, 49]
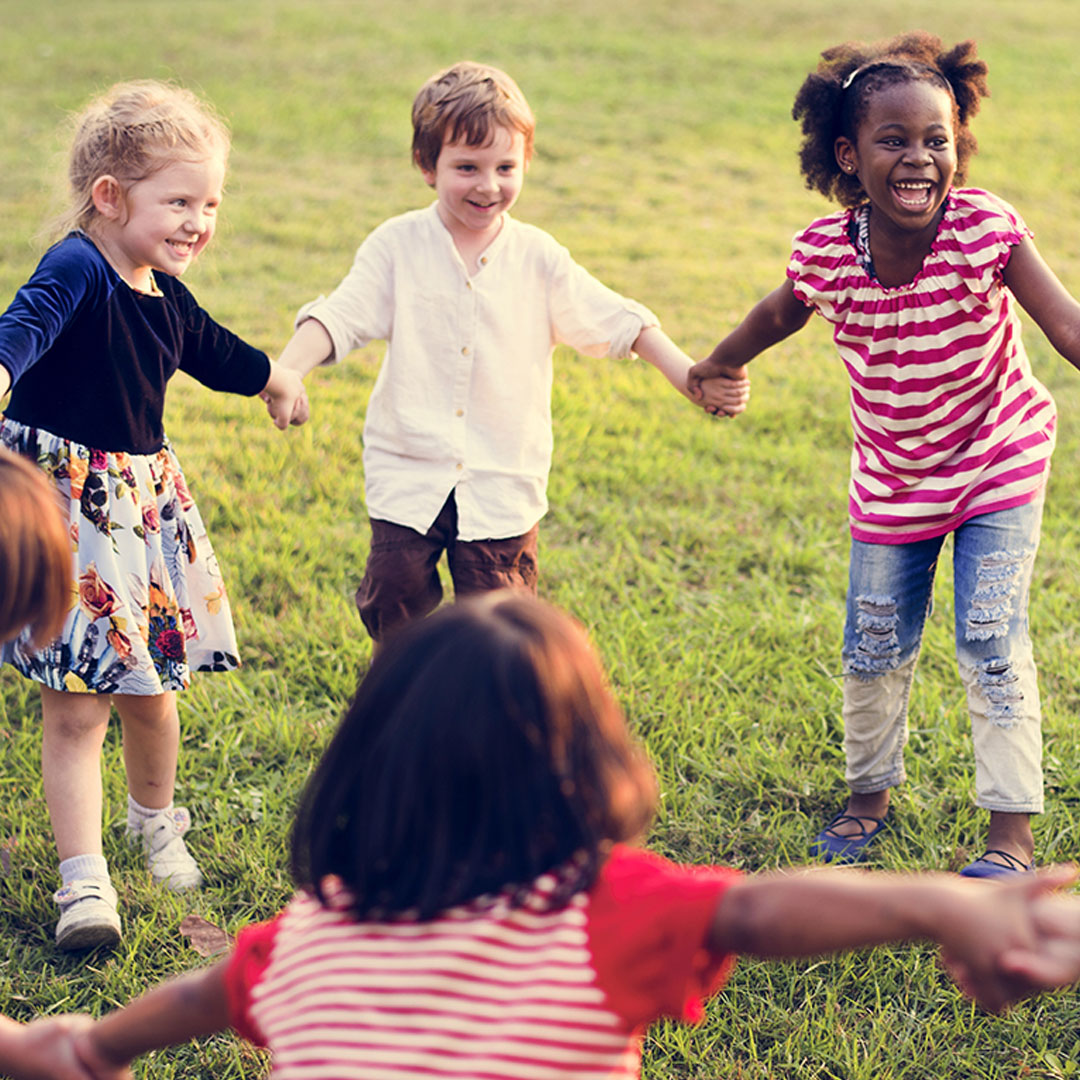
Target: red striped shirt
[485, 991]
[948, 420]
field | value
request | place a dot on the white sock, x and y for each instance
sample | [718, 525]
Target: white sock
[137, 813]
[83, 866]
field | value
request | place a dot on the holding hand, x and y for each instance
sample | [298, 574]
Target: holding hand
[1014, 939]
[285, 397]
[1052, 960]
[45, 1050]
[725, 394]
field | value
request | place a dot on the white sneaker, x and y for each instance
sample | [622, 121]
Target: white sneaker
[88, 915]
[167, 855]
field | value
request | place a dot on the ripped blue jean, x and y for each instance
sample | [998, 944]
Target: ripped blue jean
[890, 595]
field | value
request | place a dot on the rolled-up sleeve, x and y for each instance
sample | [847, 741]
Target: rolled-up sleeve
[589, 316]
[361, 308]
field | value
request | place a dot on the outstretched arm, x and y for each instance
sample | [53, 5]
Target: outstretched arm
[727, 396]
[777, 316]
[180, 1009]
[810, 912]
[1045, 299]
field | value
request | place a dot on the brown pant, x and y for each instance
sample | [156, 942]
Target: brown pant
[401, 579]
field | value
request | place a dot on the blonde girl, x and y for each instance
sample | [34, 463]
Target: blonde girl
[88, 346]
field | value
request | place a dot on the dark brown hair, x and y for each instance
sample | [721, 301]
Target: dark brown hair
[482, 749]
[833, 100]
[35, 553]
[467, 101]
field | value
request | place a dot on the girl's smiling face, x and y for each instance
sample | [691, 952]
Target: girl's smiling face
[160, 222]
[904, 153]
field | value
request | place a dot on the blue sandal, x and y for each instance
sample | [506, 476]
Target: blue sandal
[983, 867]
[830, 846]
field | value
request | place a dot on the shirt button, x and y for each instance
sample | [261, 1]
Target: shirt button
[459, 466]
[483, 260]
[468, 284]
[460, 412]
[465, 350]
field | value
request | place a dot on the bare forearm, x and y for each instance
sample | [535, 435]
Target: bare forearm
[806, 913]
[184, 1008]
[654, 346]
[310, 346]
[777, 316]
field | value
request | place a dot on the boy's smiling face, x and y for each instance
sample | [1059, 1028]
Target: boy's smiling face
[476, 185]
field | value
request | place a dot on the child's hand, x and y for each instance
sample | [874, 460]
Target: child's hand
[45, 1050]
[710, 370]
[1055, 960]
[286, 400]
[1012, 939]
[726, 394]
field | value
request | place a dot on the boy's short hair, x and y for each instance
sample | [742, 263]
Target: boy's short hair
[467, 101]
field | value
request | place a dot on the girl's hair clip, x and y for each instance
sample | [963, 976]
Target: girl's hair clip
[853, 76]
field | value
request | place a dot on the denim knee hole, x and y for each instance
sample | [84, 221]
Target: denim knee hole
[1000, 683]
[997, 583]
[877, 649]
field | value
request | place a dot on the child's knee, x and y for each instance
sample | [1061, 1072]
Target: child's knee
[875, 650]
[997, 608]
[480, 566]
[1002, 689]
[75, 716]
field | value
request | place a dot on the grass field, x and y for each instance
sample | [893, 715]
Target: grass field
[707, 559]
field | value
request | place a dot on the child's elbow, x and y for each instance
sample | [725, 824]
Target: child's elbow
[739, 924]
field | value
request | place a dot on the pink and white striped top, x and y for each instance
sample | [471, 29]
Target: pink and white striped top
[948, 420]
[485, 991]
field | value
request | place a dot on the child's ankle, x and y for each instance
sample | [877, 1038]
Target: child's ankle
[137, 813]
[79, 867]
[871, 804]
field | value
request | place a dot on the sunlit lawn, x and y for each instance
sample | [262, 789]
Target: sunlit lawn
[708, 559]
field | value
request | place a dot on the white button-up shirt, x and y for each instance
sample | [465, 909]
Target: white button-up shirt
[462, 401]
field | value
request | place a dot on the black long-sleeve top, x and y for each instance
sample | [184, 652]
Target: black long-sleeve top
[89, 356]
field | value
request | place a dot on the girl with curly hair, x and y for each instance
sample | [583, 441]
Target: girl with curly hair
[921, 278]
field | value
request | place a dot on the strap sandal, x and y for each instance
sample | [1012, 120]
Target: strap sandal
[1008, 865]
[831, 846]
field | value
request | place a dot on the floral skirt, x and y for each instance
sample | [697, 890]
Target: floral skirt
[148, 603]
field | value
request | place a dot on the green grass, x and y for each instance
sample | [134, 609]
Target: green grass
[708, 559]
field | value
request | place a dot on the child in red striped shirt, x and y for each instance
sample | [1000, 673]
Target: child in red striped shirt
[952, 433]
[470, 902]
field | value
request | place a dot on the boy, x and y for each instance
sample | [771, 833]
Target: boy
[457, 439]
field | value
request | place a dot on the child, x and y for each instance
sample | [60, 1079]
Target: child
[89, 344]
[952, 433]
[468, 901]
[457, 437]
[35, 584]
